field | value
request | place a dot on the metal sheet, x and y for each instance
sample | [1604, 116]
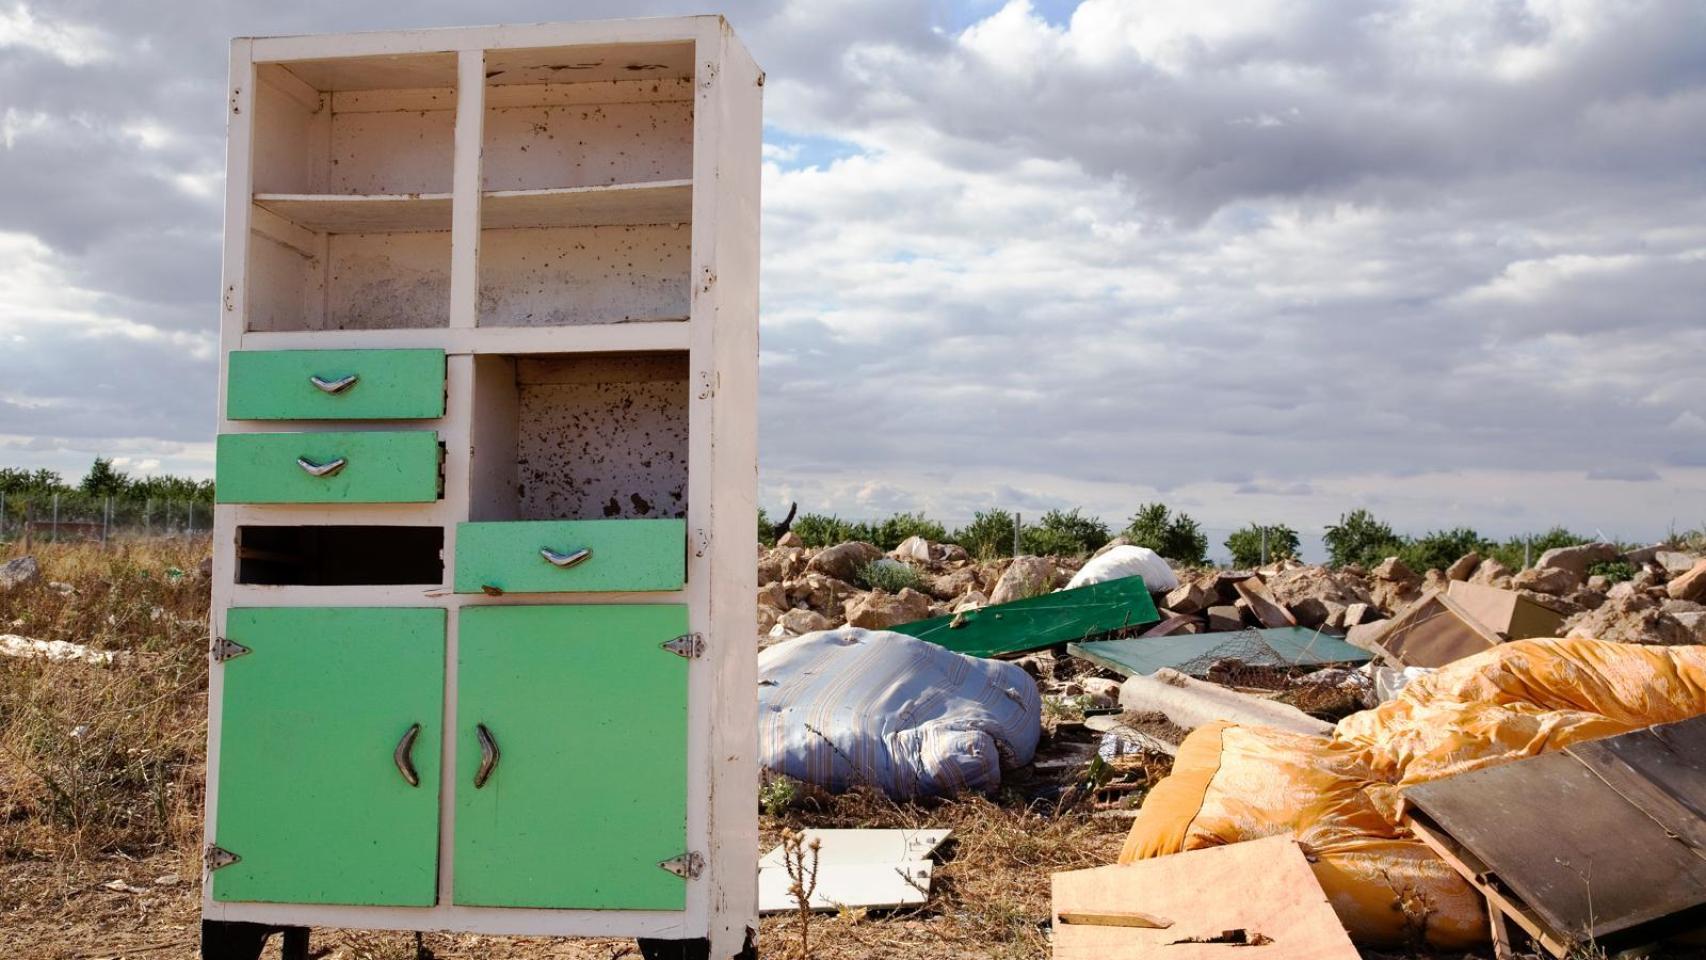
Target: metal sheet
[1037, 622]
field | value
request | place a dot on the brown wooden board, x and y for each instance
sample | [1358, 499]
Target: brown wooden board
[1433, 632]
[1512, 615]
[1570, 845]
[1263, 886]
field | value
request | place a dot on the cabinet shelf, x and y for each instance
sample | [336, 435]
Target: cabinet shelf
[623, 204]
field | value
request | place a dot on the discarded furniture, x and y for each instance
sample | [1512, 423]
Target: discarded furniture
[1432, 632]
[482, 573]
[1512, 615]
[1619, 858]
[1194, 654]
[880, 869]
[850, 707]
[1257, 899]
[1042, 621]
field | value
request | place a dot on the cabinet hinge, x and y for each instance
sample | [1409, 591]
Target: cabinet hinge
[219, 857]
[224, 648]
[688, 866]
[688, 646]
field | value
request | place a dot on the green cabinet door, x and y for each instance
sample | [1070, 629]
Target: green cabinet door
[584, 723]
[313, 798]
[335, 385]
[344, 467]
[537, 556]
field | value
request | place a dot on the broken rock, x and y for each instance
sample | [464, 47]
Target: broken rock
[1224, 617]
[797, 622]
[1555, 581]
[1579, 558]
[1464, 567]
[878, 610]
[1691, 585]
[19, 572]
[844, 560]
[1675, 562]
[1633, 619]
[1189, 598]
[1025, 577]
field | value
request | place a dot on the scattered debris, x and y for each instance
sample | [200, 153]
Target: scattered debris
[848, 707]
[1196, 905]
[19, 572]
[1618, 861]
[12, 645]
[1191, 703]
[1197, 655]
[1432, 632]
[1512, 615]
[1124, 561]
[1042, 621]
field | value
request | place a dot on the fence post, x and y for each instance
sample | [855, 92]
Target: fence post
[1264, 546]
[106, 522]
[2, 515]
[147, 518]
[56, 518]
[1018, 524]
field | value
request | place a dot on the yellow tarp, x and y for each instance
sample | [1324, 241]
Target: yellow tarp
[1340, 796]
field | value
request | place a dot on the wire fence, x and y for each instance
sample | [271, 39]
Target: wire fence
[77, 517]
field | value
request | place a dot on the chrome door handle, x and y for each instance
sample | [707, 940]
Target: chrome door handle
[488, 755]
[403, 756]
[565, 560]
[334, 386]
[326, 469]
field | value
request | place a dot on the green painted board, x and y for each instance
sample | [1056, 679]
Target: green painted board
[589, 792]
[382, 467]
[1044, 621]
[388, 385]
[626, 555]
[1194, 653]
[310, 798]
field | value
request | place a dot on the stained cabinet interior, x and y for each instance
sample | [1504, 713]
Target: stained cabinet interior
[579, 436]
[340, 555]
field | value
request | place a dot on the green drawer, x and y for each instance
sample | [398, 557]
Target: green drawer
[379, 467]
[386, 385]
[624, 555]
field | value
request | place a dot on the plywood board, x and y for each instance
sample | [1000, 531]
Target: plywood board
[1261, 886]
[1509, 613]
[867, 846]
[1591, 847]
[1433, 632]
[871, 885]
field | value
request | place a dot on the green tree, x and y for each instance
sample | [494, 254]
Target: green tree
[1511, 552]
[822, 530]
[1064, 533]
[989, 535]
[1360, 539]
[103, 481]
[1175, 536]
[766, 529]
[18, 481]
[1439, 549]
[1246, 545]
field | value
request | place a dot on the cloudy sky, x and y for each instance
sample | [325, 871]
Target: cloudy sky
[1261, 260]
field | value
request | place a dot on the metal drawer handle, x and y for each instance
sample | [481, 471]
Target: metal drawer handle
[403, 756]
[326, 469]
[334, 386]
[565, 560]
[488, 755]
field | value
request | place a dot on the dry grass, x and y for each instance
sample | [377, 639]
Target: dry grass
[105, 760]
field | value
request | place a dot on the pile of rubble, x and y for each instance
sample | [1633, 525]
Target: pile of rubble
[802, 590]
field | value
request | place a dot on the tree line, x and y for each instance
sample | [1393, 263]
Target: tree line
[102, 481]
[1359, 538]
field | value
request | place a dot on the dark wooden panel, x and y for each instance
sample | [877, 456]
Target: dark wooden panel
[1661, 771]
[1577, 853]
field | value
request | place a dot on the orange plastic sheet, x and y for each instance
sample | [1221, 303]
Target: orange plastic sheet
[1340, 797]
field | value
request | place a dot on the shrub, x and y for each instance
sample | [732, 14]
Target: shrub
[1511, 552]
[1360, 539]
[889, 533]
[890, 576]
[1441, 548]
[1246, 545]
[766, 529]
[1615, 571]
[989, 535]
[1064, 533]
[820, 530]
[1175, 536]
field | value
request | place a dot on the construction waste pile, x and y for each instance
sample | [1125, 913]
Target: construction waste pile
[1314, 759]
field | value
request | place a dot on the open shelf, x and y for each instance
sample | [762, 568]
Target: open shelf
[339, 555]
[627, 204]
[579, 437]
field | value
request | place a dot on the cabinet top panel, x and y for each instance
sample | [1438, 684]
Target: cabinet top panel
[524, 39]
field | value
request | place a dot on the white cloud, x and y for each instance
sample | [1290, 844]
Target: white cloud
[71, 44]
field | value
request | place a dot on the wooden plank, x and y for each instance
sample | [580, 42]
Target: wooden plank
[1661, 771]
[1604, 868]
[1262, 886]
[1479, 877]
[1433, 632]
[1268, 610]
[1130, 918]
[622, 204]
[361, 213]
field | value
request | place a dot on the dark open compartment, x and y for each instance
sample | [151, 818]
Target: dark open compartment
[340, 556]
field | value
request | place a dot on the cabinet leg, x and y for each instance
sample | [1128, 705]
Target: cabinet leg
[236, 940]
[688, 950]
